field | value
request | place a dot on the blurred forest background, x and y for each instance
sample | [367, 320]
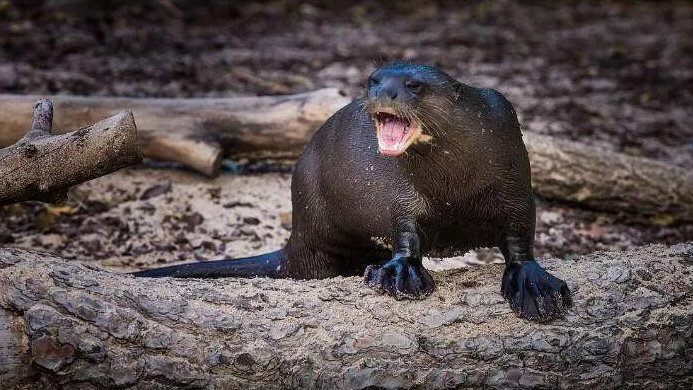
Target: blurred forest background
[618, 75]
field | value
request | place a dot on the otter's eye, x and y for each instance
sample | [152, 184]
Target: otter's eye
[413, 85]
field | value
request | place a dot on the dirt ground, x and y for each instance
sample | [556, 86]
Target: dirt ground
[614, 74]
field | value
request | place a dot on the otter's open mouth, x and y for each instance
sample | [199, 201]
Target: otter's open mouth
[395, 133]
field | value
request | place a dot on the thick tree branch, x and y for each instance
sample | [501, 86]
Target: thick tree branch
[65, 323]
[609, 181]
[43, 166]
[195, 132]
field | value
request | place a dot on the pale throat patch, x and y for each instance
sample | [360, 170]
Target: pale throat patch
[423, 138]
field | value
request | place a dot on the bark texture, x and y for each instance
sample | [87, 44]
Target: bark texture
[67, 325]
[43, 166]
[609, 181]
[195, 132]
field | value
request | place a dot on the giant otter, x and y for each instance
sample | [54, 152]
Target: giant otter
[422, 164]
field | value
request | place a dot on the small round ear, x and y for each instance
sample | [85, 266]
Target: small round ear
[459, 89]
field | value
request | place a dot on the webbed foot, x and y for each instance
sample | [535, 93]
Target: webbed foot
[533, 293]
[401, 277]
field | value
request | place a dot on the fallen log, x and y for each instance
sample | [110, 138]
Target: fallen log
[64, 324]
[195, 132]
[198, 132]
[43, 166]
[609, 181]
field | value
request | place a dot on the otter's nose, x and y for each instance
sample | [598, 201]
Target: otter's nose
[389, 89]
[392, 88]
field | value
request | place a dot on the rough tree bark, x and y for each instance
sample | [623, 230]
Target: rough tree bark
[43, 166]
[68, 325]
[196, 132]
[605, 180]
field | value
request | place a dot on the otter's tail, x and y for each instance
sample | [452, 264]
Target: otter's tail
[262, 265]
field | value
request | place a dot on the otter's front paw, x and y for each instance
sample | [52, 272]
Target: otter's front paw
[401, 277]
[534, 293]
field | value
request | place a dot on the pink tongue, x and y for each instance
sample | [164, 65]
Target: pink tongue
[392, 132]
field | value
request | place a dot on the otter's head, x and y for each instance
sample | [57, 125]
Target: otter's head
[409, 103]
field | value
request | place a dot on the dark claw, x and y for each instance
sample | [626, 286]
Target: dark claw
[533, 293]
[401, 277]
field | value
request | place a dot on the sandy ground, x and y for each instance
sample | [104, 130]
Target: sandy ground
[144, 216]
